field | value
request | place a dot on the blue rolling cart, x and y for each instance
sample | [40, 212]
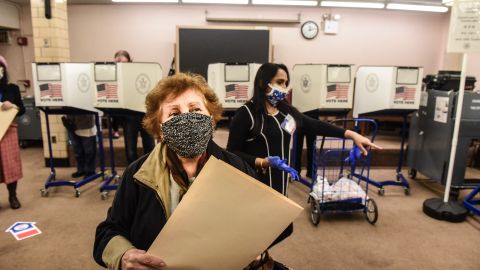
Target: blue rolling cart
[336, 164]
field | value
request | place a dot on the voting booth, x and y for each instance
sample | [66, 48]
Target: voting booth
[63, 85]
[232, 83]
[387, 88]
[124, 85]
[66, 88]
[388, 91]
[322, 87]
[121, 89]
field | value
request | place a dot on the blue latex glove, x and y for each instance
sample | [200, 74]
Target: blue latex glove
[354, 155]
[281, 164]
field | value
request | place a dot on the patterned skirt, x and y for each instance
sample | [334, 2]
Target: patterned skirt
[10, 163]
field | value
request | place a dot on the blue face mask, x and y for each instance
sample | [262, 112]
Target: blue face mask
[276, 95]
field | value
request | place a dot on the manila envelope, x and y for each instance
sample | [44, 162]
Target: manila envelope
[6, 118]
[224, 221]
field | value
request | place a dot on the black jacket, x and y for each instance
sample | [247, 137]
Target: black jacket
[272, 140]
[138, 213]
[11, 93]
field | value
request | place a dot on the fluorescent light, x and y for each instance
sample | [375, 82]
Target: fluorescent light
[146, 1]
[352, 4]
[234, 2]
[285, 2]
[417, 7]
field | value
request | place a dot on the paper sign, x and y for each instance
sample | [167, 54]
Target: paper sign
[441, 109]
[6, 118]
[464, 32]
[223, 222]
[23, 230]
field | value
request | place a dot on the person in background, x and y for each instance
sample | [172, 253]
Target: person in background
[10, 162]
[82, 134]
[132, 124]
[182, 111]
[261, 131]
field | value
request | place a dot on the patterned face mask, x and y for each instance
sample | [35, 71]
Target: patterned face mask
[188, 134]
[276, 95]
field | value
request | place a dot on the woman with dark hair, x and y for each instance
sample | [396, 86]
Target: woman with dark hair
[132, 124]
[261, 130]
[10, 163]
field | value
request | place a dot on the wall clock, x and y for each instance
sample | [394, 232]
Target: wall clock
[309, 29]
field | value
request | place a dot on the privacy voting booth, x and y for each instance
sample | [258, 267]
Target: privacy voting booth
[124, 86]
[387, 91]
[319, 90]
[380, 89]
[121, 89]
[322, 87]
[66, 88]
[232, 83]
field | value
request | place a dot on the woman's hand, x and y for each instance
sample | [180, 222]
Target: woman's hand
[362, 142]
[7, 105]
[139, 260]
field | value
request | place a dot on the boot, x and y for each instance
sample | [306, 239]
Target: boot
[12, 196]
[14, 202]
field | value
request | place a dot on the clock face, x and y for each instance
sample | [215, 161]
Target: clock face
[309, 29]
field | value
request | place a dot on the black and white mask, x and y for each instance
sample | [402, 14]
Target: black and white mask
[188, 134]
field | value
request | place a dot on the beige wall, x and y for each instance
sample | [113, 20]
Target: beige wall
[366, 37]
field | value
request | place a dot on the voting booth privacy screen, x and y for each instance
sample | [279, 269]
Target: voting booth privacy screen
[232, 83]
[322, 86]
[63, 85]
[124, 85]
[380, 88]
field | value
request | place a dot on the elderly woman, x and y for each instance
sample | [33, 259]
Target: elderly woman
[10, 163]
[181, 112]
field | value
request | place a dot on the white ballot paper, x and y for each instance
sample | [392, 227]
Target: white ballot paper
[6, 118]
[224, 221]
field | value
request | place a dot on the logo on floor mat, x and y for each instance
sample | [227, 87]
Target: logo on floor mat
[22, 230]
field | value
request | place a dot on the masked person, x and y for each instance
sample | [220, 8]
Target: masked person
[261, 130]
[181, 112]
[10, 163]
